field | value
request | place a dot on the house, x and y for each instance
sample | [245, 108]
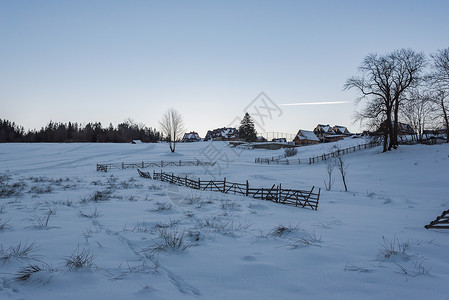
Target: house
[333, 138]
[403, 129]
[191, 137]
[279, 140]
[305, 137]
[341, 130]
[222, 134]
[323, 130]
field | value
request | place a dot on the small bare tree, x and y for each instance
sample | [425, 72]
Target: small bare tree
[172, 126]
[330, 165]
[341, 166]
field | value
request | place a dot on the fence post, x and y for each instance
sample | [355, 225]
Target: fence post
[162, 163]
[280, 192]
[172, 177]
[224, 184]
[247, 188]
[199, 184]
[123, 165]
[186, 181]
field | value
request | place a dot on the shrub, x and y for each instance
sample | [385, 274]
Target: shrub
[394, 248]
[290, 152]
[20, 252]
[80, 259]
[170, 239]
[282, 230]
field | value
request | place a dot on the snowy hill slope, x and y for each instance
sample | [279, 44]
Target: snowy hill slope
[97, 235]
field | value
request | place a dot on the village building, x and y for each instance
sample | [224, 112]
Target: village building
[191, 137]
[341, 130]
[279, 140]
[327, 134]
[323, 130]
[222, 134]
[305, 137]
[403, 129]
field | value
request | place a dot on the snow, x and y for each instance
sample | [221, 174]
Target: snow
[236, 247]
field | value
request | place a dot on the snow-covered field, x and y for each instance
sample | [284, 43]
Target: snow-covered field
[70, 232]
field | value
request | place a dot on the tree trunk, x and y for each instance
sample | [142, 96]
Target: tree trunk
[389, 130]
[394, 138]
[445, 119]
[344, 182]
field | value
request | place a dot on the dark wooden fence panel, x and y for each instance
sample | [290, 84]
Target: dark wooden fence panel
[161, 164]
[441, 222]
[282, 160]
[298, 198]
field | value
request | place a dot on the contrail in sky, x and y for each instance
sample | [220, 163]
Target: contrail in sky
[314, 103]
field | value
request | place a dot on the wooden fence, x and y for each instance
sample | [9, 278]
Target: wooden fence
[282, 160]
[301, 198]
[161, 164]
[441, 222]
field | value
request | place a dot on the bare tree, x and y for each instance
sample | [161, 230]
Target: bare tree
[330, 165]
[172, 126]
[383, 81]
[418, 108]
[440, 83]
[409, 67]
[341, 165]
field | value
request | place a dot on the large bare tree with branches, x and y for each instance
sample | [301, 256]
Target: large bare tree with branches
[440, 83]
[172, 126]
[382, 83]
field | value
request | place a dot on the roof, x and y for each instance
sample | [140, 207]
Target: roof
[306, 135]
[191, 136]
[326, 128]
[341, 128]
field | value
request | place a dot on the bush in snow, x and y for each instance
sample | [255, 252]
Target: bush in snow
[80, 259]
[288, 152]
[19, 252]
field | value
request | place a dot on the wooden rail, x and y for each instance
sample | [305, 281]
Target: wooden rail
[159, 164]
[441, 222]
[282, 160]
[298, 198]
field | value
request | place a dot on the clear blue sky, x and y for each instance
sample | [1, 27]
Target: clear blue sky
[106, 61]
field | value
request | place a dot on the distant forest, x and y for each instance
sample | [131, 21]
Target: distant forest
[77, 133]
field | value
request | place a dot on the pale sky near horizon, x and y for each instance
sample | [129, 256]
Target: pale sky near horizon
[106, 61]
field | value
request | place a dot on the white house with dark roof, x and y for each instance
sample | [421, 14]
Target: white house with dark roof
[323, 130]
[222, 134]
[191, 137]
[305, 137]
[341, 130]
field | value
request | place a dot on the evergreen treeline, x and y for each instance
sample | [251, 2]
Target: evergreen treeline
[76, 133]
